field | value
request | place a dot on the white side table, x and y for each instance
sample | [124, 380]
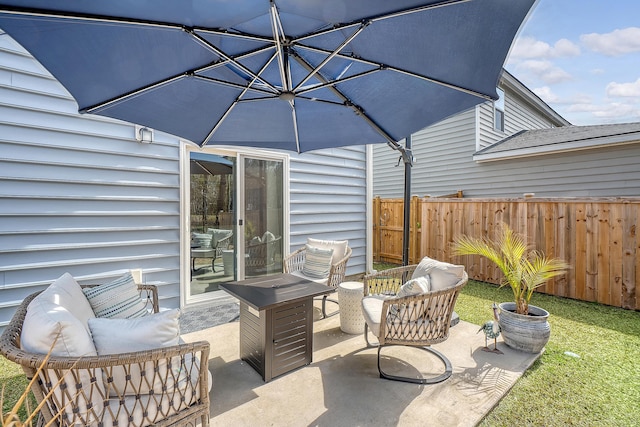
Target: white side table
[350, 296]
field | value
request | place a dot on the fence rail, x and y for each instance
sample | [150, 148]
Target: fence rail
[597, 237]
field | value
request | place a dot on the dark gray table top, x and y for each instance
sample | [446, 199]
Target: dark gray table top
[267, 292]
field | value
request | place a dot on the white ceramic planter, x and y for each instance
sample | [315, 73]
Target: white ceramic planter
[528, 333]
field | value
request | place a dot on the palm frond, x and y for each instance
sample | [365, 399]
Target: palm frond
[524, 269]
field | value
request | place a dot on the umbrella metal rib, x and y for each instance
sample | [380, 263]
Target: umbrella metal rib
[235, 102]
[331, 59]
[280, 42]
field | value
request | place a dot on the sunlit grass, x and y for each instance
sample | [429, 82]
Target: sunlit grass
[599, 387]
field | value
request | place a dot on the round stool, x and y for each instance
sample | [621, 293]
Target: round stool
[350, 296]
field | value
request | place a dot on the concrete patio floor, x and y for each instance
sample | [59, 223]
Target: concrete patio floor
[341, 387]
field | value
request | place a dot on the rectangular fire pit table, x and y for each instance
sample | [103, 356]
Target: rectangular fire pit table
[276, 321]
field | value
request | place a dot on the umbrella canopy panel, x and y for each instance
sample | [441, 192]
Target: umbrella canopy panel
[209, 164]
[276, 74]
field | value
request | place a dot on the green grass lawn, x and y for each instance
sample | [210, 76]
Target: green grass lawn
[599, 387]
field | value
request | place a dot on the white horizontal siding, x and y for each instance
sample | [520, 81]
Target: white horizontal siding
[519, 115]
[78, 194]
[440, 149]
[444, 161]
[328, 200]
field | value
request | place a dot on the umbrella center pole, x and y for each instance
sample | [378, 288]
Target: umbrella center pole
[408, 164]
[406, 156]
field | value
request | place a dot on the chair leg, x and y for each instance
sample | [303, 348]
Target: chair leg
[434, 380]
[324, 307]
[366, 337]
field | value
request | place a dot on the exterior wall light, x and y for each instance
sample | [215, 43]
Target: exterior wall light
[144, 134]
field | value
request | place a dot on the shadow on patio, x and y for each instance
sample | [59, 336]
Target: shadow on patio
[342, 387]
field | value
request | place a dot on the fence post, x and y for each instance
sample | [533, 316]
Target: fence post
[414, 230]
[377, 232]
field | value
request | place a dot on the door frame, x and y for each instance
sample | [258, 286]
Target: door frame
[240, 153]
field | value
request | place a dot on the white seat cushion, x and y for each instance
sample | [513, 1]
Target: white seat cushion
[156, 408]
[372, 311]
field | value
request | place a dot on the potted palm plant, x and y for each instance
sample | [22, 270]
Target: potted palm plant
[523, 326]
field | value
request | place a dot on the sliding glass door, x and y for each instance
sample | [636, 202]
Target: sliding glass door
[263, 216]
[212, 220]
[236, 212]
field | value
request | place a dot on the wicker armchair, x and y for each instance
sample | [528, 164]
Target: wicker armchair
[417, 320]
[78, 395]
[262, 256]
[294, 263]
[208, 250]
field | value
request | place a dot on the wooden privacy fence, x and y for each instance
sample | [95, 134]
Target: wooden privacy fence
[597, 237]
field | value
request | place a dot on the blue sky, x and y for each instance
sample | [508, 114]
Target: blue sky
[582, 58]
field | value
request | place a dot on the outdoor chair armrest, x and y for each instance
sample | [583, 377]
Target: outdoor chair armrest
[295, 260]
[387, 282]
[186, 382]
[338, 270]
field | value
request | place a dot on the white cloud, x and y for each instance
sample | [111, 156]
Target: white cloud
[546, 94]
[531, 48]
[624, 89]
[613, 112]
[615, 43]
[616, 110]
[565, 48]
[544, 70]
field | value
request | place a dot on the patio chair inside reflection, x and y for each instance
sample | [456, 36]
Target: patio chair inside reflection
[209, 245]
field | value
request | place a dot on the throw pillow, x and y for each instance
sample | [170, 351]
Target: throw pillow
[61, 314]
[442, 274]
[217, 235]
[59, 311]
[417, 286]
[203, 240]
[339, 247]
[317, 262]
[114, 336]
[268, 236]
[118, 299]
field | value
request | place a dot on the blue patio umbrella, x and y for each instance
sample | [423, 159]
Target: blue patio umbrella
[284, 74]
[209, 164]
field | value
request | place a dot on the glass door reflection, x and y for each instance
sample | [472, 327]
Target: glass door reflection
[263, 216]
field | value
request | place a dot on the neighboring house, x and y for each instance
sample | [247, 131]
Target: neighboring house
[81, 194]
[452, 155]
[572, 161]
